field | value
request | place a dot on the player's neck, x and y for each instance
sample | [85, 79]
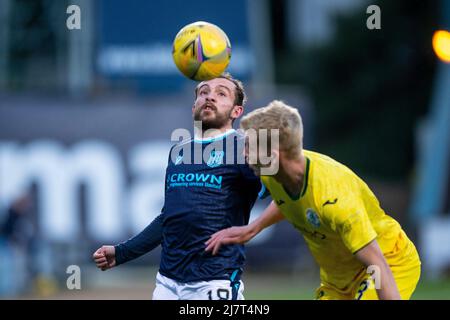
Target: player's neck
[291, 174]
[213, 132]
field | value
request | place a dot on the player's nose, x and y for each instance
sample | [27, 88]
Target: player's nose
[210, 97]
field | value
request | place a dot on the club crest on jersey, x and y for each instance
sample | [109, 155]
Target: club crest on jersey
[312, 218]
[215, 159]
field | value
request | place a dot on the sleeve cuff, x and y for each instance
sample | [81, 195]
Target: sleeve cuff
[118, 254]
[362, 245]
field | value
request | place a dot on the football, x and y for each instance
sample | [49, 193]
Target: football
[201, 51]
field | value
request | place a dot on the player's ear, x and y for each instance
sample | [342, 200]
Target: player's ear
[237, 112]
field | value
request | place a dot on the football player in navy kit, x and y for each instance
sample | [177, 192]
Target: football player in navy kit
[201, 198]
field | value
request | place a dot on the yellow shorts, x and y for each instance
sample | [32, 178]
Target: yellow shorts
[405, 269]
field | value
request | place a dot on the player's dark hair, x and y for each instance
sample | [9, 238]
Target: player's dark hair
[240, 98]
[239, 92]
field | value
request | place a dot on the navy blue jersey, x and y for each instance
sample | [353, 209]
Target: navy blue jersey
[208, 188]
[202, 198]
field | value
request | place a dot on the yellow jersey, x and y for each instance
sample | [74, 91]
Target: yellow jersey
[338, 214]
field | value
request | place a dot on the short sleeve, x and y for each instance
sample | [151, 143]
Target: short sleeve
[348, 217]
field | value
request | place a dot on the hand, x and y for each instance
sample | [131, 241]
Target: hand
[233, 235]
[105, 257]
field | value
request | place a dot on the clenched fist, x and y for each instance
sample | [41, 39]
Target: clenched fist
[105, 257]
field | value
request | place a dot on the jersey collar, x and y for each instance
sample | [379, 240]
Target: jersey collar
[215, 138]
[305, 183]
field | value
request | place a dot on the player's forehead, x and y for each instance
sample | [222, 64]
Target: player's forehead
[218, 82]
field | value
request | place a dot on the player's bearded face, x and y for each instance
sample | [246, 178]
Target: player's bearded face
[214, 103]
[211, 117]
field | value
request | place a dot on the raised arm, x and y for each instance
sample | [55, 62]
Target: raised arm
[241, 235]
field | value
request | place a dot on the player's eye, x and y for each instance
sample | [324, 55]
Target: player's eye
[222, 94]
[203, 92]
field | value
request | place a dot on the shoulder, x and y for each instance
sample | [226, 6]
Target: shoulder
[182, 144]
[180, 147]
[178, 151]
[330, 174]
[334, 184]
[239, 134]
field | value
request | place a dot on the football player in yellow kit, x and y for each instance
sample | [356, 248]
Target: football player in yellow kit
[362, 252]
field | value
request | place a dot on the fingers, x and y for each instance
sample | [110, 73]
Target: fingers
[214, 237]
[102, 264]
[220, 234]
[215, 244]
[216, 247]
[218, 239]
[209, 245]
[100, 260]
[221, 242]
[209, 240]
[105, 250]
[99, 253]
[98, 257]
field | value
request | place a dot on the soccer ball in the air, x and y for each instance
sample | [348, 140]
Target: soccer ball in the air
[201, 51]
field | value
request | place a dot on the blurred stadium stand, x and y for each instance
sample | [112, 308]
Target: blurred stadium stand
[86, 118]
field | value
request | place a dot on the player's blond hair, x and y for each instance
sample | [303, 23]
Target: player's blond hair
[278, 115]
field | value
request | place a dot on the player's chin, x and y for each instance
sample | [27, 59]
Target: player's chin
[208, 115]
[211, 123]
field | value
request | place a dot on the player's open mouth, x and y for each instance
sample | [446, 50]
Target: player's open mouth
[208, 108]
